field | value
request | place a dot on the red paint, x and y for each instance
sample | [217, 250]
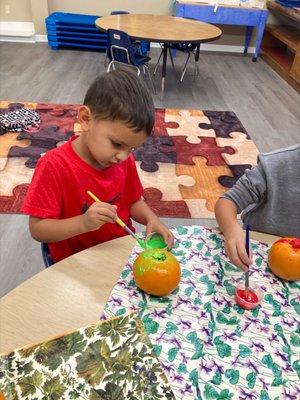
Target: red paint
[247, 295]
[293, 242]
[246, 299]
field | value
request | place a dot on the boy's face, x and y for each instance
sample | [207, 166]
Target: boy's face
[108, 142]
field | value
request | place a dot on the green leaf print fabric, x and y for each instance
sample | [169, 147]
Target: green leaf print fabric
[209, 347]
[109, 360]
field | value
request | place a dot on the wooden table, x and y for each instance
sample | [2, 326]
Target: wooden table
[162, 29]
[227, 15]
[68, 295]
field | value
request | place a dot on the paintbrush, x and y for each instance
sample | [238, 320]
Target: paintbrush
[247, 245]
[121, 223]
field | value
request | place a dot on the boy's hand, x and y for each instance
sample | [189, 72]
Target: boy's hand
[235, 248]
[155, 225]
[98, 214]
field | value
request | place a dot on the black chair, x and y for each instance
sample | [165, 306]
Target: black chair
[189, 49]
[120, 51]
[139, 47]
[116, 12]
[46, 255]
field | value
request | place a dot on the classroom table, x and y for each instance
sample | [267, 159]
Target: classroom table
[207, 346]
[163, 29]
[70, 294]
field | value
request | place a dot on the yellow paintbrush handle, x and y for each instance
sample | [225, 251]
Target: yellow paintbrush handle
[120, 222]
[95, 198]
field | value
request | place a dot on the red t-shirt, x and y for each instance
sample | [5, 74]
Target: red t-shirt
[59, 187]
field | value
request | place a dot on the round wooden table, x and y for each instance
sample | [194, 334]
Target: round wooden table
[162, 29]
[68, 295]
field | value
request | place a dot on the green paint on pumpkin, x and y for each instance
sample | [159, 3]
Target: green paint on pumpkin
[147, 255]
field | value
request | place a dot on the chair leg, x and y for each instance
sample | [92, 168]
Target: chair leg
[171, 57]
[150, 78]
[111, 64]
[105, 61]
[185, 67]
[196, 69]
[157, 64]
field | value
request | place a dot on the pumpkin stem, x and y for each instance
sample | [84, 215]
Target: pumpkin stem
[159, 256]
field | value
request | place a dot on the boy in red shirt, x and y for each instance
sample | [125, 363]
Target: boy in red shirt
[117, 116]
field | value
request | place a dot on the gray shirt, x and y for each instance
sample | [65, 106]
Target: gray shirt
[268, 195]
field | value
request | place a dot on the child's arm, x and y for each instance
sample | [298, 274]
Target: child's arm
[142, 213]
[226, 215]
[54, 230]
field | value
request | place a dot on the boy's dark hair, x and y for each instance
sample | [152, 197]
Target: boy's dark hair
[120, 95]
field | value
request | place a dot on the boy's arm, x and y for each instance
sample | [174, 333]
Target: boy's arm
[54, 230]
[142, 214]
[250, 189]
[226, 215]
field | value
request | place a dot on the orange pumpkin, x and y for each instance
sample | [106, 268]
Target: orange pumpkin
[284, 258]
[156, 272]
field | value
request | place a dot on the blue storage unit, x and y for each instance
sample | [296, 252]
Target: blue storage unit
[74, 30]
[227, 15]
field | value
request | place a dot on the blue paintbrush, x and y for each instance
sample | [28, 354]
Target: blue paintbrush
[247, 245]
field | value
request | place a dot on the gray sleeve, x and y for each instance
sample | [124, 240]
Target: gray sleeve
[250, 189]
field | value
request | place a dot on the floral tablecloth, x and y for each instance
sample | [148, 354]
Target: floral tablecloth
[110, 360]
[208, 346]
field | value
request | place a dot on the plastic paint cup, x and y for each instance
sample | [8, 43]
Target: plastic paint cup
[155, 241]
[250, 298]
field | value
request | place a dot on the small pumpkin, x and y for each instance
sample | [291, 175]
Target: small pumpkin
[284, 258]
[156, 272]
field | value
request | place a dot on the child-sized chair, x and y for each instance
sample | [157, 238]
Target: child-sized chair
[139, 47]
[120, 51]
[46, 255]
[187, 48]
[117, 12]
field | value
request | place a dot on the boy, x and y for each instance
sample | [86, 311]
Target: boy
[268, 195]
[117, 116]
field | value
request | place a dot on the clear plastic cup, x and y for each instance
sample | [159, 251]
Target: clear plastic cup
[155, 241]
[248, 299]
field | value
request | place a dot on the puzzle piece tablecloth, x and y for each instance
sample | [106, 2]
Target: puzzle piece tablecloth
[208, 346]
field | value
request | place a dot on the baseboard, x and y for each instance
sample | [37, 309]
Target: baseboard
[11, 29]
[43, 38]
